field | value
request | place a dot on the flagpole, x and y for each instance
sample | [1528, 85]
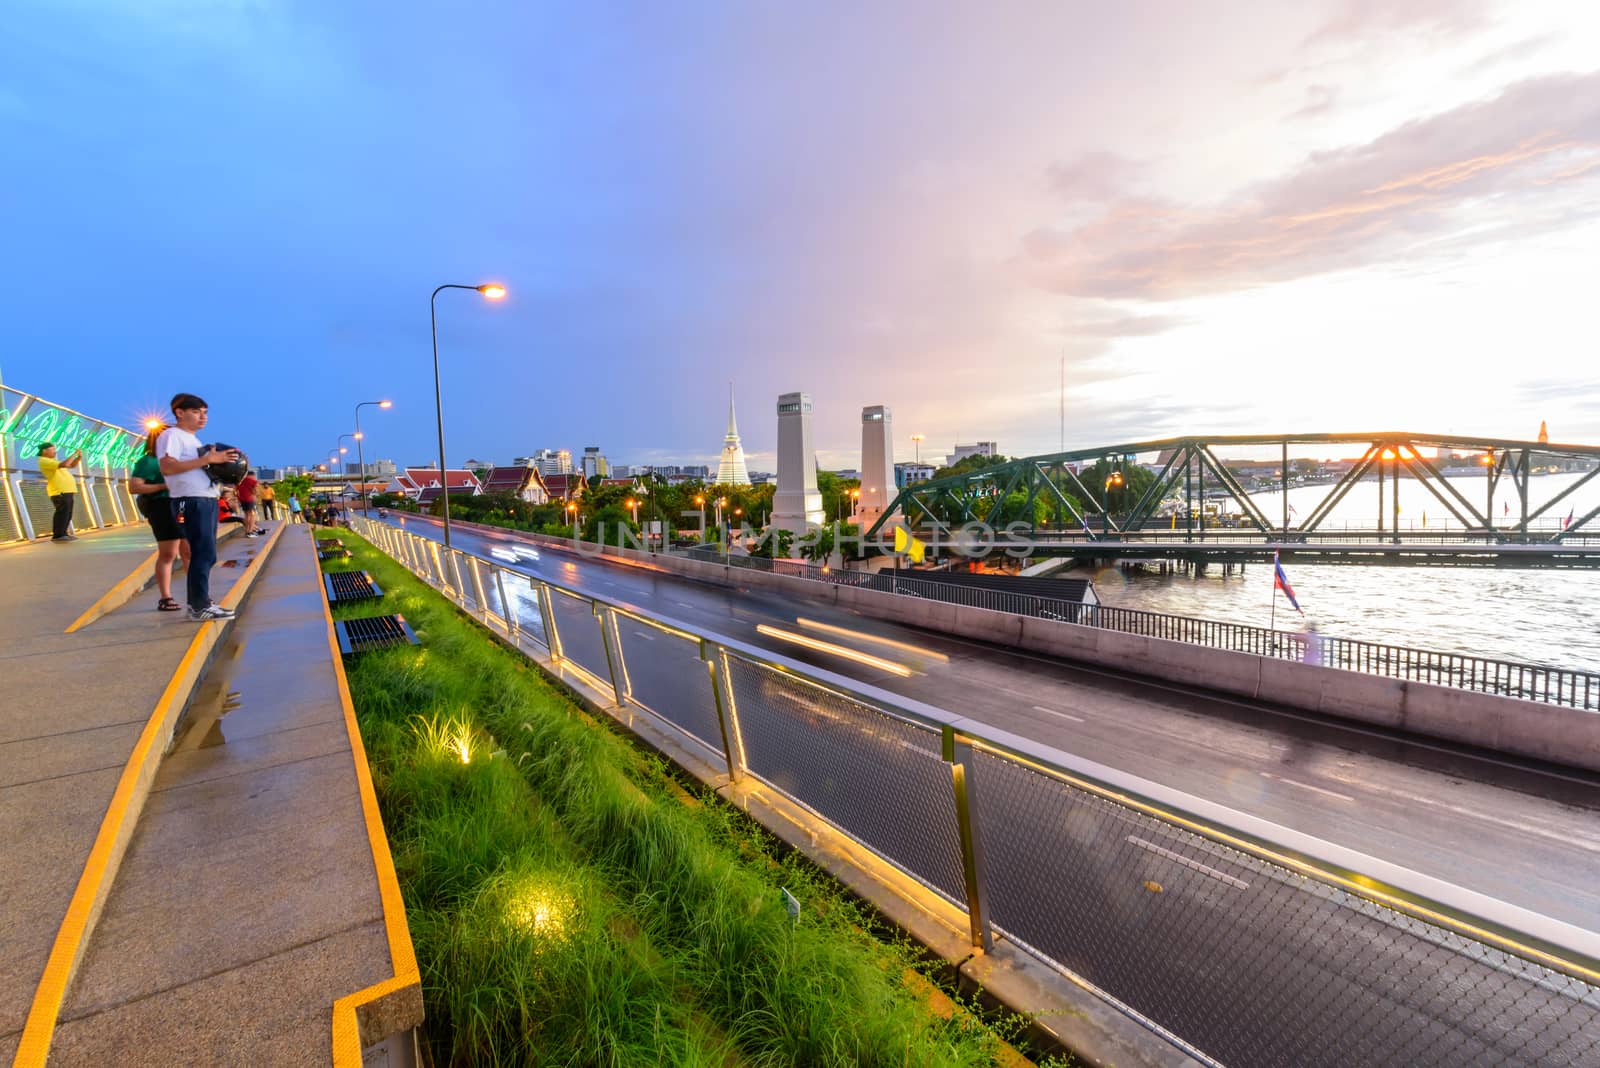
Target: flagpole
[1273, 626]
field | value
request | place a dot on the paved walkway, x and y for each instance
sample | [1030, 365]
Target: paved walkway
[248, 899]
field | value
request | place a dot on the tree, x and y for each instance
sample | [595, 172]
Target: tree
[294, 486]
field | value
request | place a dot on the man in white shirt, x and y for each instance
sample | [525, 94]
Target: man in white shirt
[194, 498]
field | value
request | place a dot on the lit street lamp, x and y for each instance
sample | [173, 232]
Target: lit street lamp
[633, 505]
[493, 292]
[572, 510]
[361, 455]
[916, 445]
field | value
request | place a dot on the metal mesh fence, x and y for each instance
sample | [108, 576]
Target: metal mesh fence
[1249, 961]
[36, 499]
[1243, 958]
[103, 503]
[579, 633]
[10, 529]
[878, 778]
[667, 677]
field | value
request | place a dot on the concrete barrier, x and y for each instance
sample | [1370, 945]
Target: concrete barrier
[1488, 721]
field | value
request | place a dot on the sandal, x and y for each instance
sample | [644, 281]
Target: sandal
[168, 604]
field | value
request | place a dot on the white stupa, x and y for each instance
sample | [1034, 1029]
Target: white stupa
[732, 471]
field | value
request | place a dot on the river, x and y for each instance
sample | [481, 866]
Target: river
[1547, 617]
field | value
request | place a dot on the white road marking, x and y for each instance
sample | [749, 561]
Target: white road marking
[1564, 836]
[1307, 786]
[1063, 715]
[646, 637]
[683, 604]
[1195, 865]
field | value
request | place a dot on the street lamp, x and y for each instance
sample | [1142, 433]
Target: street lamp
[633, 506]
[361, 455]
[492, 291]
[572, 510]
[916, 444]
[700, 503]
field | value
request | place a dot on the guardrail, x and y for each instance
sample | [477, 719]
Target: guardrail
[27, 421]
[1568, 687]
[1239, 941]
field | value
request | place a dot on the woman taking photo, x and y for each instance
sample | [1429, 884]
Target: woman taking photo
[147, 485]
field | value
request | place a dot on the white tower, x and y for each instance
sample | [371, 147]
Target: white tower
[796, 506]
[732, 471]
[877, 465]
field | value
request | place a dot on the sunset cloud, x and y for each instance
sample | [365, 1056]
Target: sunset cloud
[1478, 168]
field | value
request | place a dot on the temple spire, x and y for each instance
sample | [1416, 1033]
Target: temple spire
[731, 471]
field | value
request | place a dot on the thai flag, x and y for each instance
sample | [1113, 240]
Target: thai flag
[1567, 522]
[1280, 581]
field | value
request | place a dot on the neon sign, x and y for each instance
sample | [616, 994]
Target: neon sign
[102, 445]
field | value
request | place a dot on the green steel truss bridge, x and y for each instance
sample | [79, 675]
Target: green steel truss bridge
[1086, 502]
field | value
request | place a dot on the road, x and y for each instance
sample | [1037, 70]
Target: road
[1523, 834]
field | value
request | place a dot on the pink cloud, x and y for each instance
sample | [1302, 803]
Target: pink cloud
[1503, 168]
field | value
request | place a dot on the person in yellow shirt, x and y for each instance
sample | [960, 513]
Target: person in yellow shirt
[63, 490]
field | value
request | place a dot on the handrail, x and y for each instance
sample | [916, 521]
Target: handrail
[1552, 943]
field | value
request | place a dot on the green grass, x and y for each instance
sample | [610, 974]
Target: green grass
[568, 907]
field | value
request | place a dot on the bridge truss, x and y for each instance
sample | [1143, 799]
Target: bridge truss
[1082, 507]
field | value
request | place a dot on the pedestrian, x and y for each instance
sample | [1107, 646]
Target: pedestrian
[1313, 643]
[183, 463]
[246, 491]
[63, 490]
[146, 483]
[294, 509]
[269, 502]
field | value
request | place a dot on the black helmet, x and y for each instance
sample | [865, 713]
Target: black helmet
[231, 472]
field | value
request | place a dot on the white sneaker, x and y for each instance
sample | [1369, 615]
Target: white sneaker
[210, 612]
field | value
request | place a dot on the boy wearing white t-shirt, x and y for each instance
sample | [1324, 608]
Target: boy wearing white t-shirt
[194, 498]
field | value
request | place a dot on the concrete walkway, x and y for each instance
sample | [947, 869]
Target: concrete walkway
[248, 900]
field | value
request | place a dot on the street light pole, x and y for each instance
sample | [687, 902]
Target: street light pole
[361, 455]
[493, 292]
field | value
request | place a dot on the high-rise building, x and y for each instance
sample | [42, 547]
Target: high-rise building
[594, 463]
[977, 448]
[796, 504]
[731, 471]
[547, 461]
[877, 465]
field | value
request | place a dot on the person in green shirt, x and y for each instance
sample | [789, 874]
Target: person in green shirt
[63, 490]
[147, 484]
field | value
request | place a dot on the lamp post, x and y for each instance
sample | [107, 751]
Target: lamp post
[572, 510]
[1113, 481]
[633, 506]
[916, 445]
[493, 292]
[361, 455]
[700, 503]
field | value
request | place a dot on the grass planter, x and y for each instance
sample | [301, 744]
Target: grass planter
[567, 906]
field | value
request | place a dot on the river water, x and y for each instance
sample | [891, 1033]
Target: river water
[1547, 617]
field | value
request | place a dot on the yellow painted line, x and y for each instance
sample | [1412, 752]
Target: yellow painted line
[116, 829]
[119, 594]
[347, 1042]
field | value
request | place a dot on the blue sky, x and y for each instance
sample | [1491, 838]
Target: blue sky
[1314, 217]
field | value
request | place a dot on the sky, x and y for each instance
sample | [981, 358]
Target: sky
[1328, 216]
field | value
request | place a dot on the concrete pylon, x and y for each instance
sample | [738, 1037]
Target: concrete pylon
[877, 464]
[797, 504]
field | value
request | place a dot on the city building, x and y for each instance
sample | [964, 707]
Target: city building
[760, 478]
[977, 448]
[269, 474]
[547, 461]
[731, 471]
[623, 471]
[907, 473]
[381, 469]
[594, 463]
[797, 504]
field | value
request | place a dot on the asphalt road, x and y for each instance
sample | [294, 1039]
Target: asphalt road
[1523, 834]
